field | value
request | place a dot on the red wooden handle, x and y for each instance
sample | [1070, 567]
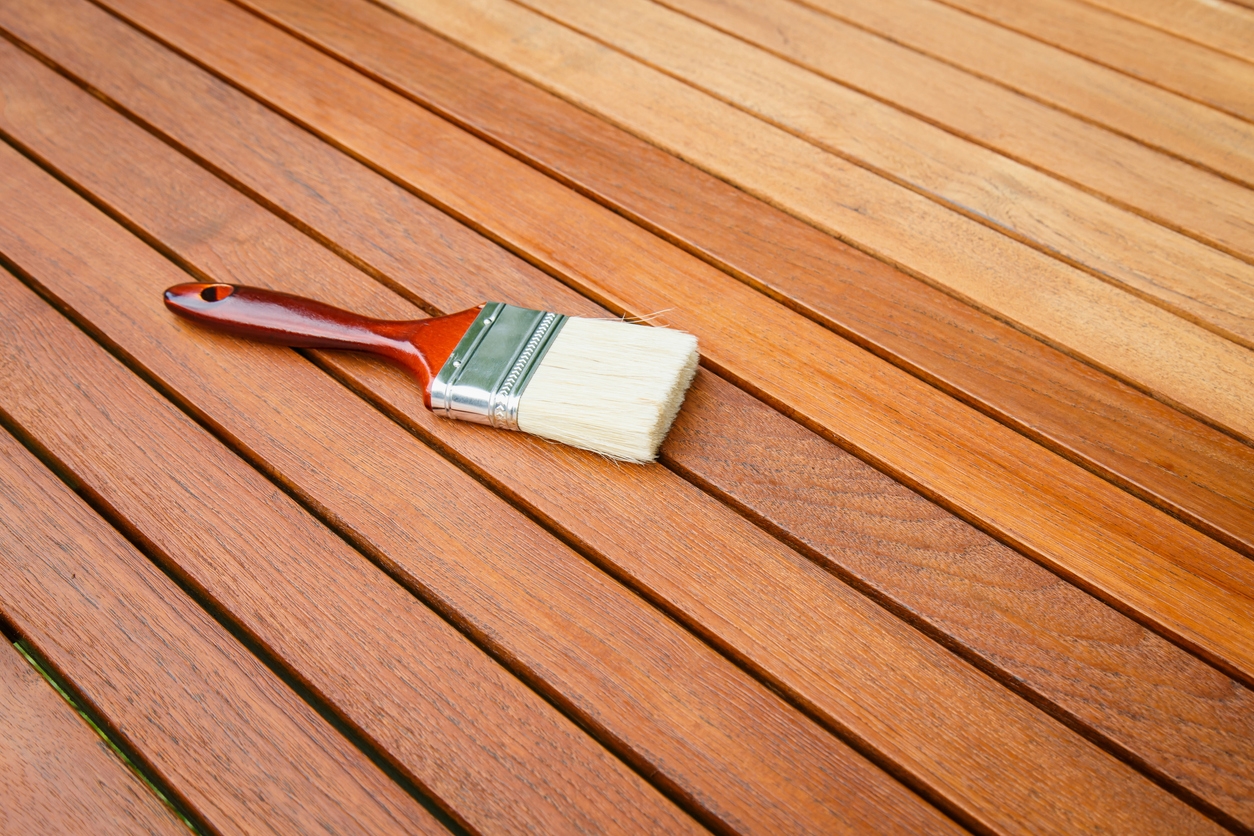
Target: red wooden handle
[422, 346]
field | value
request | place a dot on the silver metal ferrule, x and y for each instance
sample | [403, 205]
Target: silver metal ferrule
[484, 378]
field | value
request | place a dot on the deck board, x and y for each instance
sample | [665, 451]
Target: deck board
[1161, 119]
[1188, 468]
[721, 743]
[1172, 271]
[1155, 185]
[1193, 590]
[899, 568]
[1171, 358]
[56, 774]
[206, 715]
[1157, 57]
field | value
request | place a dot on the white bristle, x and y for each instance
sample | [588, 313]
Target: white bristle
[610, 387]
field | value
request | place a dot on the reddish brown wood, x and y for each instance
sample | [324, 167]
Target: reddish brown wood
[421, 346]
[752, 579]
[390, 667]
[1196, 473]
[723, 744]
[56, 775]
[233, 743]
[1169, 576]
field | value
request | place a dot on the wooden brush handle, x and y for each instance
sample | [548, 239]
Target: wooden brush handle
[422, 346]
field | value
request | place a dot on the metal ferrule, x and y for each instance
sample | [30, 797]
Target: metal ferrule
[485, 376]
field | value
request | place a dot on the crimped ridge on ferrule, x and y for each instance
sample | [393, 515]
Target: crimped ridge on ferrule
[487, 373]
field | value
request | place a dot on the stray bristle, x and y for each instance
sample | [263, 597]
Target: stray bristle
[610, 387]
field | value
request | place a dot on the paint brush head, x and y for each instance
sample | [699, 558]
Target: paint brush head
[610, 387]
[599, 384]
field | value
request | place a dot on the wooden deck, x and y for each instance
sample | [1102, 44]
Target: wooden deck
[955, 531]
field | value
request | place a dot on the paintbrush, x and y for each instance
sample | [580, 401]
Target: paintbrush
[603, 385]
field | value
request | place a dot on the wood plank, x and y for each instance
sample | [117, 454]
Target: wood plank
[723, 744]
[232, 742]
[1193, 471]
[505, 761]
[1178, 274]
[1157, 57]
[56, 775]
[756, 580]
[1131, 338]
[1179, 126]
[1162, 188]
[1218, 25]
[1146, 563]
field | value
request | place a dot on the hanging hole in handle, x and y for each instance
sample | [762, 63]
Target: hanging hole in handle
[216, 292]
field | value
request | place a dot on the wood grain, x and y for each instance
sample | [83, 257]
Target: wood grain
[1218, 25]
[1148, 564]
[1131, 338]
[1179, 126]
[56, 775]
[723, 744]
[1157, 57]
[503, 762]
[1181, 465]
[1180, 275]
[233, 743]
[756, 581]
[1160, 187]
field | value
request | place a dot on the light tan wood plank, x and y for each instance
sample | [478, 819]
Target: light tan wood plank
[1157, 57]
[1179, 362]
[1214, 23]
[1161, 119]
[1165, 189]
[1190, 279]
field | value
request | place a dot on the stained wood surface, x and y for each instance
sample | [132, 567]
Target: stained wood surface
[1173, 359]
[481, 759]
[208, 718]
[1179, 274]
[795, 640]
[1193, 471]
[723, 744]
[56, 774]
[1192, 590]
[1182, 127]
[769, 579]
[1149, 182]
[1219, 25]
[1159, 58]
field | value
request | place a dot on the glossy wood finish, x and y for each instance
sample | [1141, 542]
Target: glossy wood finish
[940, 667]
[724, 745]
[763, 581]
[397, 683]
[1184, 128]
[208, 718]
[1191, 589]
[1159, 58]
[421, 346]
[56, 775]
[1195, 472]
